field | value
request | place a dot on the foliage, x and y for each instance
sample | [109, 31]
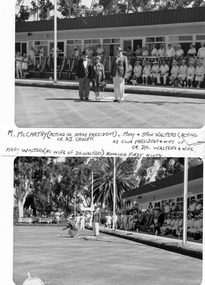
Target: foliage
[42, 9]
[23, 14]
[104, 182]
[68, 8]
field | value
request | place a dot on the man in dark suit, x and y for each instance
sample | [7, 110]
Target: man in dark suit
[96, 221]
[118, 73]
[84, 75]
[158, 220]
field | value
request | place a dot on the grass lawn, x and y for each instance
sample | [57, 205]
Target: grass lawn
[86, 260]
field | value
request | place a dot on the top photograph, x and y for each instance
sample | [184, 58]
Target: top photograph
[109, 64]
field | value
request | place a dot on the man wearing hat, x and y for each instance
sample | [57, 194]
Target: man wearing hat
[84, 75]
[170, 52]
[155, 75]
[192, 51]
[96, 220]
[182, 74]
[179, 52]
[190, 74]
[164, 71]
[158, 220]
[161, 51]
[201, 53]
[154, 50]
[118, 73]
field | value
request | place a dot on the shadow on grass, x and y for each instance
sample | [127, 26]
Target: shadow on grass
[126, 101]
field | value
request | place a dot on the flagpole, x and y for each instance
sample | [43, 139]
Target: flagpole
[55, 41]
[185, 200]
[114, 195]
[92, 192]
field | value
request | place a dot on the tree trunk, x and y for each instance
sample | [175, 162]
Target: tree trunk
[20, 208]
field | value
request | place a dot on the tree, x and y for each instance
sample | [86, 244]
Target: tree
[42, 9]
[33, 178]
[23, 14]
[68, 8]
[23, 171]
[103, 180]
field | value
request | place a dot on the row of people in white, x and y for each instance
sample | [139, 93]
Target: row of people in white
[181, 73]
[170, 51]
[173, 225]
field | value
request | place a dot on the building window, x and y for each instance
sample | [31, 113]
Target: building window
[180, 204]
[150, 41]
[41, 44]
[70, 47]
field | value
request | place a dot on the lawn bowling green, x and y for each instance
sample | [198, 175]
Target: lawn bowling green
[59, 260]
[37, 107]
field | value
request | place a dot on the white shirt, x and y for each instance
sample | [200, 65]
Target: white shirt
[179, 53]
[147, 70]
[183, 69]
[100, 50]
[154, 52]
[164, 69]
[190, 71]
[161, 52]
[155, 69]
[201, 52]
[175, 70]
[138, 70]
[85, 63]
[192, 51]
[170, 52]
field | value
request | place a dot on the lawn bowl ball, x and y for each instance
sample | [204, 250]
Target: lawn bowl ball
[50, 78]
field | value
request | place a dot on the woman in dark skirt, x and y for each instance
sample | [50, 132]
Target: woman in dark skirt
[98, 76]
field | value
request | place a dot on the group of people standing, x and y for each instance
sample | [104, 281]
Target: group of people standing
[95, 72]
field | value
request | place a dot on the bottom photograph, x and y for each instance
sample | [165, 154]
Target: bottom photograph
[109, 220]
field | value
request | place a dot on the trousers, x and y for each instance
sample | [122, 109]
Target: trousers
[84, 87]
[96, 229]
[119, 86]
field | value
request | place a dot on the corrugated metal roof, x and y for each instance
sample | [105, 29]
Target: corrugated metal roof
[118, 20]
[194, 173]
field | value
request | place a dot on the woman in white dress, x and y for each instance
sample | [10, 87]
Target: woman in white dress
[146, 73]
[137, 73]
[182, 73]
[199, 74]
[174, 72]
[155, 75]
[190, 74]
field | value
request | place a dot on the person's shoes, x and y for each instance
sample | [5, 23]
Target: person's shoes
[87, 99]
[119, 101]
[115, 100]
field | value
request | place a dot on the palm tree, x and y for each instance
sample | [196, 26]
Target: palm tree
[103, 180]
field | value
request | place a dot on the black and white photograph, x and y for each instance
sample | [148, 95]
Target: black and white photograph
[78, 220]
[110, 64]
[75, 214]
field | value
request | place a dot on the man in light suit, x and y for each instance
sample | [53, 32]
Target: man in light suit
[118, 73]
[84, 75]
